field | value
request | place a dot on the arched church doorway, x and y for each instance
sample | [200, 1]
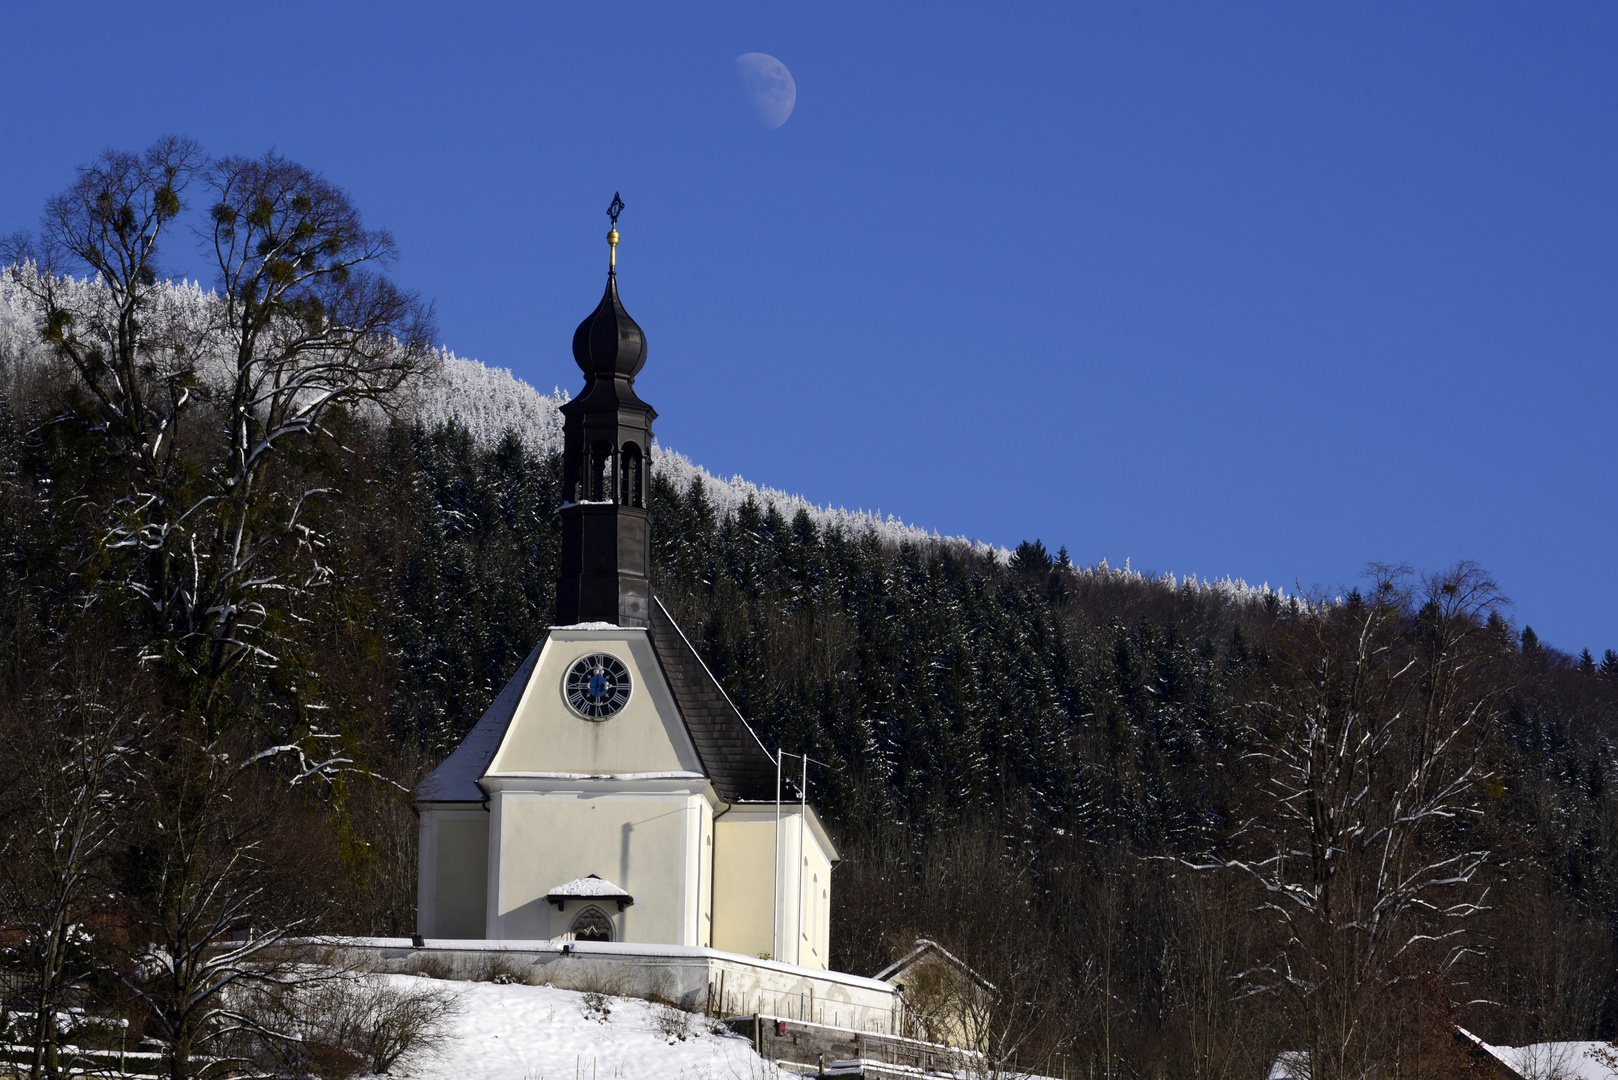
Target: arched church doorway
[591, 924]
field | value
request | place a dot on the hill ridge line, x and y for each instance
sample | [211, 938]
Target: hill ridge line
[489, 401]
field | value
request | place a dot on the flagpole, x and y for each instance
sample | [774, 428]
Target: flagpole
[775, 932]
[803, 852]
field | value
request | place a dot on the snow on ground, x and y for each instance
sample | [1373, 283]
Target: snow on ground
[517, 1032]
[1561, 1060]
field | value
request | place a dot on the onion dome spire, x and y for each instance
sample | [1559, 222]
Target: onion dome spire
[606, 464]
[608, 341]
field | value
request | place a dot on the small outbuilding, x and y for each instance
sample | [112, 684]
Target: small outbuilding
[945, 999]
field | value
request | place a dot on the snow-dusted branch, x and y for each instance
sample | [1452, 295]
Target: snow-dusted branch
[1361, 836]
[194, 396]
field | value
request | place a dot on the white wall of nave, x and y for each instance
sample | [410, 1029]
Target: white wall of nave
[764, 880]
[625, 799]
[696, 880]
[453, 872]
[649, 844]
[744, 881]
[805, 893]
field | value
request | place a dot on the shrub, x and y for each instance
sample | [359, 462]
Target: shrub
[597, 1006]
[671, 1021]
[335, 1027]
[503, 971]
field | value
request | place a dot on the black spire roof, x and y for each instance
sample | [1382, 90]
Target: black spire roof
[608, 341]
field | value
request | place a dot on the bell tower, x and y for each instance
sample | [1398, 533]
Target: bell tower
[606, 461]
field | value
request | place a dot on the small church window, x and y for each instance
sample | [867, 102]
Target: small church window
[591, 924]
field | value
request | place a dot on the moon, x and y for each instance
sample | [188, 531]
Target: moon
[768, 86]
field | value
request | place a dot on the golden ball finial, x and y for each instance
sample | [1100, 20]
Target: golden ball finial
[613, 211]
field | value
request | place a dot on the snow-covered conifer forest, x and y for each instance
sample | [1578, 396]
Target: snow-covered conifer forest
[267, 552]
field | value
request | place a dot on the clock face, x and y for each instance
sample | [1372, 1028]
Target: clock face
[597, 686]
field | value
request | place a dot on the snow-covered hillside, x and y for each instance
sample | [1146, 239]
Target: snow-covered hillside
[516, 1032]
[491, 401]
[488, 401]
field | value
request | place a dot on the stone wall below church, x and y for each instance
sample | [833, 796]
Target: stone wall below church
[697, 979]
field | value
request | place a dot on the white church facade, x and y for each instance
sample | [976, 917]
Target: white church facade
[613, 792]
[549, 824]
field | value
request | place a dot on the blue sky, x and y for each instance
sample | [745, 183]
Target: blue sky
[1260, 290]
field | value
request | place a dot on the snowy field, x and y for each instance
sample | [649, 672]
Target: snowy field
[516, 1032]
[1539, 1061]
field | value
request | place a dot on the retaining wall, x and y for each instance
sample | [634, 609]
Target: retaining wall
[703, 980]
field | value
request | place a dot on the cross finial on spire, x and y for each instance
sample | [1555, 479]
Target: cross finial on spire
[613, 211]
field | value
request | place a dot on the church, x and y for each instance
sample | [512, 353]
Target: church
[613, 792]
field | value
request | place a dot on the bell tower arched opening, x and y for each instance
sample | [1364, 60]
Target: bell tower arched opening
[632, 485]
[599, 487]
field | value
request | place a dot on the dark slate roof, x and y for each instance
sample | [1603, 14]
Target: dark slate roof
[608, 341]
[456, 778]
[736, 762]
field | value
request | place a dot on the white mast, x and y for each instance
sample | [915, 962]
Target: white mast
[803, 851]
[775, 932]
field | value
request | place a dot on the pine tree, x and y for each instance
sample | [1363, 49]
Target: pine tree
[1031, 558]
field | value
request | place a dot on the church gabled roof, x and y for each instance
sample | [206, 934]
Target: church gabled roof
[736, 762]
[733, 758]
[456, 779]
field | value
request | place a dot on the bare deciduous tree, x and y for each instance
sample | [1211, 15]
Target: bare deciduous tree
[210, 865]
[338, 1024]
[1210, 936]
[202, 523]
[74, 744]
[309, 326]
[1361, 835]
[136, 367]
[215, 546]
